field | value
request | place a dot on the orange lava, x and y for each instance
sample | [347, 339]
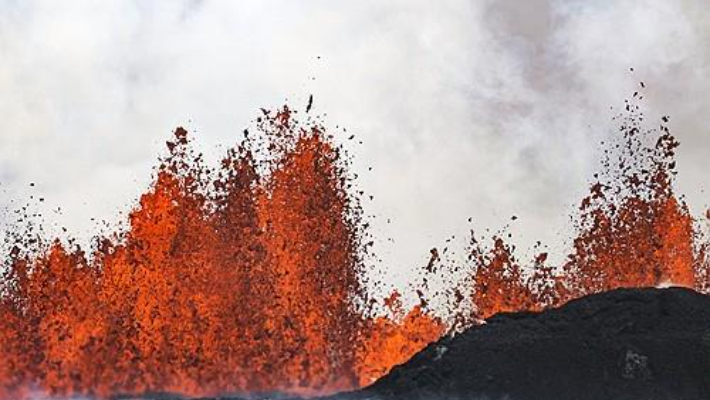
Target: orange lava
[241, 280]
[392, 340]
[632, 230]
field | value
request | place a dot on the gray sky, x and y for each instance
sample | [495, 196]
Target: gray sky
[482, 109]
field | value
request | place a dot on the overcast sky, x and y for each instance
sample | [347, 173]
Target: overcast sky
[482, 109]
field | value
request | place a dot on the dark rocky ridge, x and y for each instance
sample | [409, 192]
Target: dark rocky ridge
[624, 344]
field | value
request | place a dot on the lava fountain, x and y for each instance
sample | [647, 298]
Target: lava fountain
[240, 279]
[248, 277]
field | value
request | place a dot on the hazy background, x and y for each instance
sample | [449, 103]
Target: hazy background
[482, 109]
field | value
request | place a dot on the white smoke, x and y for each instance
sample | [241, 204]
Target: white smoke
[482, 109]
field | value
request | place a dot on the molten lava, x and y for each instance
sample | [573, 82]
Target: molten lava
[249, 277]
[246, 279]
[632, 230]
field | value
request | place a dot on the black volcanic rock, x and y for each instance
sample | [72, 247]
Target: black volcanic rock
[625, 344]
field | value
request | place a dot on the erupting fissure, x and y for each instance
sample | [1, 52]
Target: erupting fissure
[249, 277]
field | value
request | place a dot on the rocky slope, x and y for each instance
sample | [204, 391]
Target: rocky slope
[624, 344]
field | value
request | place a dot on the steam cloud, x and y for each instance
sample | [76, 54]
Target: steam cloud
[481, 109]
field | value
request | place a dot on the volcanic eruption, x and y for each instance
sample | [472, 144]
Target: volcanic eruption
[248, 277]
[241, 279]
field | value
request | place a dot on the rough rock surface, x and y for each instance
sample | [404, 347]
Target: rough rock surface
[625, 344]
